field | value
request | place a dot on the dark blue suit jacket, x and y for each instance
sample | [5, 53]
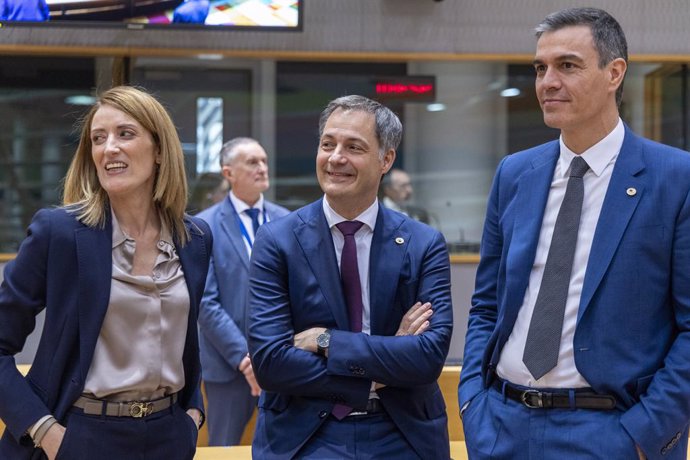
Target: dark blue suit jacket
[295, 285]
[66, 268]
[223, 312]
[633, 329]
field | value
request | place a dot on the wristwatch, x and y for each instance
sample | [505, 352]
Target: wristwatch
[323, 340]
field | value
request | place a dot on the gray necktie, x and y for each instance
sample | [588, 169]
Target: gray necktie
[544, 334]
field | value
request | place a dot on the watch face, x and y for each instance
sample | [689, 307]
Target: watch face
[323, 340]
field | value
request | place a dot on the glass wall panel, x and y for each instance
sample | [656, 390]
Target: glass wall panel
[482, 111]
[40, 101]
[208, 104]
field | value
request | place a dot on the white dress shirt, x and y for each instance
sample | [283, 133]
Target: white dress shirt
[601, 159]
[240, 207]
[363, 239]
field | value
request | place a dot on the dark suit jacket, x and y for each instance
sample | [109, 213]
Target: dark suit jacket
[295, 285]
[633, 329]
[66, 268]
[223, 312]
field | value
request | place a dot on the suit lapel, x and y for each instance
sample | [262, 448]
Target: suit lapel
[229, 226]
[616, 211]
[190, 254]
[94, 256]
[385, 263]
[193, 276]
[272, 210]
[316, 242]
[530, 202]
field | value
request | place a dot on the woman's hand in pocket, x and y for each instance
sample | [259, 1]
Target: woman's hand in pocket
[52, 440]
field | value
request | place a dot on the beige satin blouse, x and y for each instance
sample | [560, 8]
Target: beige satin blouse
[138, 355]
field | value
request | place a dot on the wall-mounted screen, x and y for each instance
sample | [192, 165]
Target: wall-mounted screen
[221, 14]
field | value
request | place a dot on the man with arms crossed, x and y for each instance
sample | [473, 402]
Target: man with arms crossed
[578, 335]
[349, 367]
[231, 387]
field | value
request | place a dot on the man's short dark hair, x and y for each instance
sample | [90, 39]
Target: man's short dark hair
[388, 125]
[607, 33]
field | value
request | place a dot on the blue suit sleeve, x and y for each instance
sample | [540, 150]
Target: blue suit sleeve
[663, 409]
[484, 310]
[217, 326]
[409, 360]
[278, 365]
[22, 297]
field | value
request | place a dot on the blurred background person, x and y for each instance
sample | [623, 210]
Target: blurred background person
[24, 10]
[208, 189]
[397, 195]
[231, 387]
[120, 270]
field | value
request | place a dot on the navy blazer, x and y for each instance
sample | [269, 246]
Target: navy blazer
[223, 311]
[66, 268]
[632, 338]
[295, 285]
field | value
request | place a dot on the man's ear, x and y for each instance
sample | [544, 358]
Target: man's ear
[387, 161]
[617, 70]
[226, 171]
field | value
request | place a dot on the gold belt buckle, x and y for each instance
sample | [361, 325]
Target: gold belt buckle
[140, 409]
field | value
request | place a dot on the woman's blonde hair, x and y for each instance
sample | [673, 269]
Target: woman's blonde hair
[83, 192]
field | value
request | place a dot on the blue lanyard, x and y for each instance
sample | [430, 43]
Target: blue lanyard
[243, 229]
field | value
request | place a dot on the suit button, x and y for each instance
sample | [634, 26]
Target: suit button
[323, 414]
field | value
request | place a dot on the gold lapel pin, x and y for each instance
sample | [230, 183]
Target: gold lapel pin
[399, 240]
[632, 191]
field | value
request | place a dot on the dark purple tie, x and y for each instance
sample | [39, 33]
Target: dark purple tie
[352, 288]
[349, 274]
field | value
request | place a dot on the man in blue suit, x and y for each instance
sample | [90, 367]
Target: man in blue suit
[619, 386]
[231, 387]
[349, 368]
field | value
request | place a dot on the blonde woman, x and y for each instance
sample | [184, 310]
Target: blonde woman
[120, 271]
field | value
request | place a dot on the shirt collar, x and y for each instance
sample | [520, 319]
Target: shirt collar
[368, 217]
[119, 235]
[165, 239]
[597, 156]
[241, 206]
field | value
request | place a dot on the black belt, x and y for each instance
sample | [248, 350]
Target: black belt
[537, 399]
[136, 409]
[374, 406]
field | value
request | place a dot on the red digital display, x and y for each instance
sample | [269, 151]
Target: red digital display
[400, 88]
[406, 89]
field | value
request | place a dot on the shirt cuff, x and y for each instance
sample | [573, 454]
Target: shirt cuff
[39, 429]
